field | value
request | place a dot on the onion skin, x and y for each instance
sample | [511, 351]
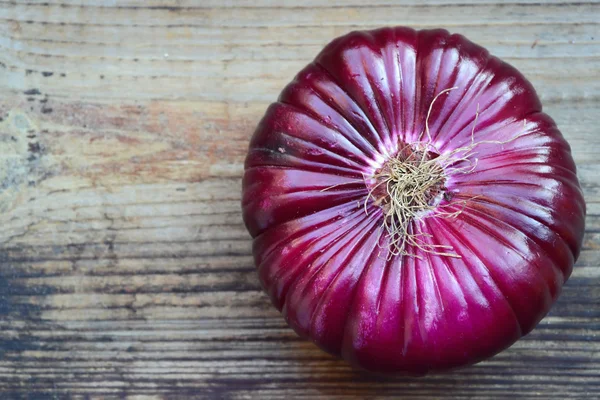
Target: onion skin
[318, 243]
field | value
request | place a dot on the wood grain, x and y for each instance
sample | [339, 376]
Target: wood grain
[125, 268]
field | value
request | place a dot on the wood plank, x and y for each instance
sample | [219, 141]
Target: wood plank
[176, 5]
[125, 268]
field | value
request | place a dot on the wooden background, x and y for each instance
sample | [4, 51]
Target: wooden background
[125, 268]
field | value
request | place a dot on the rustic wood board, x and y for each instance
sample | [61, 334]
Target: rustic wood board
[125, 268]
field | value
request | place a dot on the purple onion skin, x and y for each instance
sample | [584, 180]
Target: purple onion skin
[325, 261]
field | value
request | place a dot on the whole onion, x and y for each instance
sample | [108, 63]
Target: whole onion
[412, 207]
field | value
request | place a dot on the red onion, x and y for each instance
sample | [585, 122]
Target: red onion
[412, 207]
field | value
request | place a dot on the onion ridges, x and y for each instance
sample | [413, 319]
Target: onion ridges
[504, 202]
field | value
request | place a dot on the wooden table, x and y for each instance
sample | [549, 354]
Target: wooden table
[125, 268]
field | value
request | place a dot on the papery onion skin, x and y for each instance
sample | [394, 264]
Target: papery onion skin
[320, 251]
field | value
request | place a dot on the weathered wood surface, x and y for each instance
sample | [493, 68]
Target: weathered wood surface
[125, 269]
